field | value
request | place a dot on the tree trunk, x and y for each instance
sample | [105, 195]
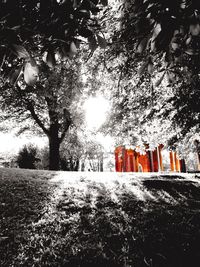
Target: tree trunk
[76, 165]
[101, 165]
[54, 146]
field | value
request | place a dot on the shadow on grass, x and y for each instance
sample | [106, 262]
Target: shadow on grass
[23, 198]
[131, 232]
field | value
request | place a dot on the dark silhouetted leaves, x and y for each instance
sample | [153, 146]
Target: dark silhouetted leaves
[142, 45]
[92, 43]
[85, 32]
[104, 2]
[50, 59]
[101, 41]
[14, 75]
[38, 24]
[195, 29]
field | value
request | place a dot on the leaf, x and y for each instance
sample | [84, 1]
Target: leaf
[156, 31]
[20, 51]
[153, 46]
[50, 59]
[174, 45]
[191, 52]
[72, 50]
[158, 82]
[142, 45]
[63, 52]
[68, 51]
[170, 77]
[195, 29]
[83, 14]
[150, 67]
[162, 39]
[101, 41]
[31, 72]
[104, 2]
[92, 43]
[92, 6]
[77, 43]
[14, 76]
[188, 40]
[75, 4]
[3, 50]
[142, 68]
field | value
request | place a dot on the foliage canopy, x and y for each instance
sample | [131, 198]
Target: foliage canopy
[51, 28]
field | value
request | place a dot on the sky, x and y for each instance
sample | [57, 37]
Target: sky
[10, 144]
[96, 109]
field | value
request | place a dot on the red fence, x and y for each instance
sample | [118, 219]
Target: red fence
[129, 160]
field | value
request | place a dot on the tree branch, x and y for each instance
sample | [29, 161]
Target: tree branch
[36, 118]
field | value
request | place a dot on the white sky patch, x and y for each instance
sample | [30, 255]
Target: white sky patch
[96, 109]
[10, 144]
[106, 141]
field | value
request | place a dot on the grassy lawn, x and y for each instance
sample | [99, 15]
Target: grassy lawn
[99, 219]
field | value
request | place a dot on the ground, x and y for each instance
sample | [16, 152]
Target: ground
[99, 219]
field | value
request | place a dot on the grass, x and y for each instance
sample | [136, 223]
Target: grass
[93, 219]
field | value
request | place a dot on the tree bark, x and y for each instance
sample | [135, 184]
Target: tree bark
[54, 147]
[56, 133]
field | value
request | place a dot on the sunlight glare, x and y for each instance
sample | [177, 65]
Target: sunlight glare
[96, 109]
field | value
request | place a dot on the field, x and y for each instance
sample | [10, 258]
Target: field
[99, 219]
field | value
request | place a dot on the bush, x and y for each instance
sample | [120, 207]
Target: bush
[27, 157]
[44, 156]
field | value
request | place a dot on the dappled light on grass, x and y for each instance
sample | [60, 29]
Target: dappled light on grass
[91, 183]
[106, 219]
[110, 219]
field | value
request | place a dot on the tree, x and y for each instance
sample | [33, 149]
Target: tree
[35, 35]
[166, 114]
[154, 49]
[80, 148]
[72, 150]
[51, 103]
[93, 156]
